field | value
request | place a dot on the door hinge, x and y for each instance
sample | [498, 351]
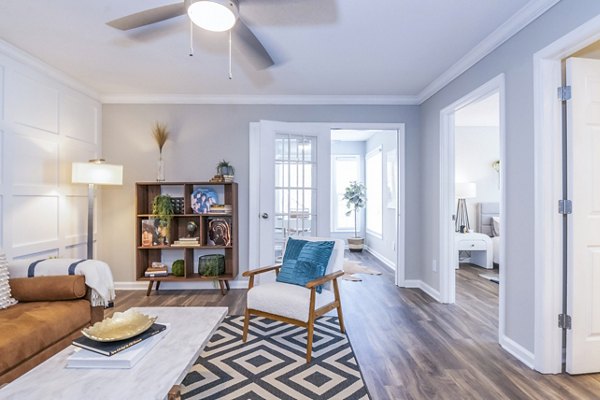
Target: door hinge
[564, 321]
[565, 207]
[564, 93]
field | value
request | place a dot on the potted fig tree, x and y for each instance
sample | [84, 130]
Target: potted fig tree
[356, 198]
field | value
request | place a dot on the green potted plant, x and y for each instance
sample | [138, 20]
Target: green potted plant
[162, 208]
[226, 170]
[356, 198]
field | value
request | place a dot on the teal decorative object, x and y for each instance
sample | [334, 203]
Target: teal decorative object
[178, 268]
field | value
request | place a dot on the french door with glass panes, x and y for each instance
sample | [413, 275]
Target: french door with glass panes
[294, 184]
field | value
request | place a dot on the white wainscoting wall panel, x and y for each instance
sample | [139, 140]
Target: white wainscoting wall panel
[45, 126]
[1, 93]
[1, 221]
[34, 161]
[2, 157]
[79, 119]
[31, 102]
[75, 213]
[33, 220]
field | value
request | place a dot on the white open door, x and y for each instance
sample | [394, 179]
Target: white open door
[583, 243]
[293, 182]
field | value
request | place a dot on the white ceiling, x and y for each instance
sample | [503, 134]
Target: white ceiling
[485, 112]
[323, 47]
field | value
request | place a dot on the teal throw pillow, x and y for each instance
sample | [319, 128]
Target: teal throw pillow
[305, 261]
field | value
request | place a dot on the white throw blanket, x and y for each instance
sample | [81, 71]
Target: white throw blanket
[98, 276]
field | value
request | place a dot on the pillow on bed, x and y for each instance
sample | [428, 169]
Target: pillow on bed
[496, 226]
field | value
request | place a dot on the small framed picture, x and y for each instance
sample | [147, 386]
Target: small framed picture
[149, 233]
[219, 232]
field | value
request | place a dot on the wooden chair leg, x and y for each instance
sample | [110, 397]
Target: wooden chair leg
[336, 292]
[246, 323]
[311, 326]
[149, 288]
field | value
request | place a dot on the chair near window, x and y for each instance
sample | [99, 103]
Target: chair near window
[297, 305]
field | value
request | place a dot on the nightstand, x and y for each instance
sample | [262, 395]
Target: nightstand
[480, 246]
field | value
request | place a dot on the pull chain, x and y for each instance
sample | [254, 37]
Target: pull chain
[191, 39]
[230, 74]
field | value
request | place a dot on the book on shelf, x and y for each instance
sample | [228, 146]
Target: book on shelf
[155, 274]
[156, 269]
[111, 348]
[84, 358]
[221, 209]
[187, 242]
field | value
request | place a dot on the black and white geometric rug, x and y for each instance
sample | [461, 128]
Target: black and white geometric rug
[272, 364]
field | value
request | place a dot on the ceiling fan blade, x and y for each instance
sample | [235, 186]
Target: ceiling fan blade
[148, 17]
[251, 46]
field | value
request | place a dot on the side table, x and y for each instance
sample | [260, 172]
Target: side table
[480, 246]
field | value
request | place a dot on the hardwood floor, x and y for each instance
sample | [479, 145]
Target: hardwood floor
[411, 347]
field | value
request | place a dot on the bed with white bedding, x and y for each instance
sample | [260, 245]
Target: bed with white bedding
[488, 222]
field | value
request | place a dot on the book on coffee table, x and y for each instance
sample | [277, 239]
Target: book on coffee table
[125, 359]
[111, 348]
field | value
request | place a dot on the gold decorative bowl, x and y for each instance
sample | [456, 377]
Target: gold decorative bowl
[122, 325]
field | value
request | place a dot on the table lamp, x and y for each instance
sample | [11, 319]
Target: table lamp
[95, 172]
[463, 191]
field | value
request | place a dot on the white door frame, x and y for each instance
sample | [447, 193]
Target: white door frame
[547, 75]
[447, 201]
[254, 177]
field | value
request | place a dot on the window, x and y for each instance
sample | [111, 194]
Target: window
[374, 183]
[344, 169]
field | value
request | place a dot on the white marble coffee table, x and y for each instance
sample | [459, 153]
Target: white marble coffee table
[152, 378]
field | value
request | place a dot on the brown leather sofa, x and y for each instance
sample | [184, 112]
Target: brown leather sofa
[51, 312]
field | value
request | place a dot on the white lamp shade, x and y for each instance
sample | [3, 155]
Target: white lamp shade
[97, 173]
[466, 190]
[213, 15]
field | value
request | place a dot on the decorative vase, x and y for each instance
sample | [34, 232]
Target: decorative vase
[160, 176]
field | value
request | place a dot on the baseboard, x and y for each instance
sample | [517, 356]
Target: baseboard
[419, 284]
[387, 262]
[238, 284]
[412, 283]
[518, 351]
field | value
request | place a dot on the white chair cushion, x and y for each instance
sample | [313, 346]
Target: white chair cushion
[291, 301]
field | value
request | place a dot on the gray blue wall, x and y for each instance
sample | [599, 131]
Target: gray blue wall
[515, 59]
[205, 134]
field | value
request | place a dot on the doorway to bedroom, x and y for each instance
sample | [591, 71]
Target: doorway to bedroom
[471, 204]
[477, 210]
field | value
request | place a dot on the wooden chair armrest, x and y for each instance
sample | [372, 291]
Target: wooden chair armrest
[261, 270]
[326, 278]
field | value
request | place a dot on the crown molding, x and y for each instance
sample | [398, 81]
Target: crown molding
[511, 27]
[21, 56]
[260, 99]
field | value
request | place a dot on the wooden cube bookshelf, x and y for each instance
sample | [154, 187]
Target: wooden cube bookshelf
[146, 255]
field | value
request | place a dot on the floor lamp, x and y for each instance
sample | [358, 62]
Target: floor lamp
[95, 172]
[464, 191]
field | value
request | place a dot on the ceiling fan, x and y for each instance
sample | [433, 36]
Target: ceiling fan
[212, 15]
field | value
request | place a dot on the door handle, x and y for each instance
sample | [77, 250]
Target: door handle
[264, 216]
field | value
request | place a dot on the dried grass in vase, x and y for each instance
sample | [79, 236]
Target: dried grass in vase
[161, 135]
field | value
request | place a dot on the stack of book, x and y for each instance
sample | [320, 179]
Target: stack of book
[157, 269]
[221, 209]
[186, 242]
[120, 354]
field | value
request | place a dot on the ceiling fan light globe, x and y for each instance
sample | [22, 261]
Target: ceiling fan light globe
[213, 15]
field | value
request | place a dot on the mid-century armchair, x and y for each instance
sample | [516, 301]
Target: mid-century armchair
[295, 304]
